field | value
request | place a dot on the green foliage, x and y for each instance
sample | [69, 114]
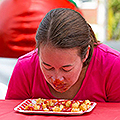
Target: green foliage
[72, 1]
[114, 19]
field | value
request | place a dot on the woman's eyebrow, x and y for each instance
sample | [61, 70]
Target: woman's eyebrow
[46, 64]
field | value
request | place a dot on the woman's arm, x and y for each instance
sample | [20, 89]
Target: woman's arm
[19, 85]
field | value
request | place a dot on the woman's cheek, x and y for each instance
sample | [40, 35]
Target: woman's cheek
[72, 79]
[45, 73]
[74, 76]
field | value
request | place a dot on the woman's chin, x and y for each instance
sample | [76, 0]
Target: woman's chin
[61, 90]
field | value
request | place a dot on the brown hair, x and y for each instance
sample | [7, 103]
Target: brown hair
[66, 28]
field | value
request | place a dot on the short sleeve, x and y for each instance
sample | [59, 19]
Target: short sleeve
[113, 82]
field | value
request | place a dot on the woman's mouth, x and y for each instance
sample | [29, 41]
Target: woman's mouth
[59, 85]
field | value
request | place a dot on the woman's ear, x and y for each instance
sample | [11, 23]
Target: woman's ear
[87, 54]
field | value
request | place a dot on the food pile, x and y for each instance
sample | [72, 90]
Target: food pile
[56, 105]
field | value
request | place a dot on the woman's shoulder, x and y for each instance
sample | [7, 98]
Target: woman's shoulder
[29, 60]
[107, 51]
[104, 56]
[29, 57]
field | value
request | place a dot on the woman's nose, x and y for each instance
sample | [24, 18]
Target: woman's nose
[57, 75]
[57, 78]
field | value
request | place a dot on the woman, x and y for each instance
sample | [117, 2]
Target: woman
[68, 63]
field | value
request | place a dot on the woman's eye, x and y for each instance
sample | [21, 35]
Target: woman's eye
[48, 67]
[67, 69]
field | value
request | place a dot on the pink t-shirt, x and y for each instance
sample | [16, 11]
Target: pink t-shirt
[101, 82]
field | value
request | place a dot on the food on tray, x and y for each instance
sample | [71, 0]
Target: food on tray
[56, 105]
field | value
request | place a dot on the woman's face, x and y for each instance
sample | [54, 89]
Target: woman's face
[61, 67]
